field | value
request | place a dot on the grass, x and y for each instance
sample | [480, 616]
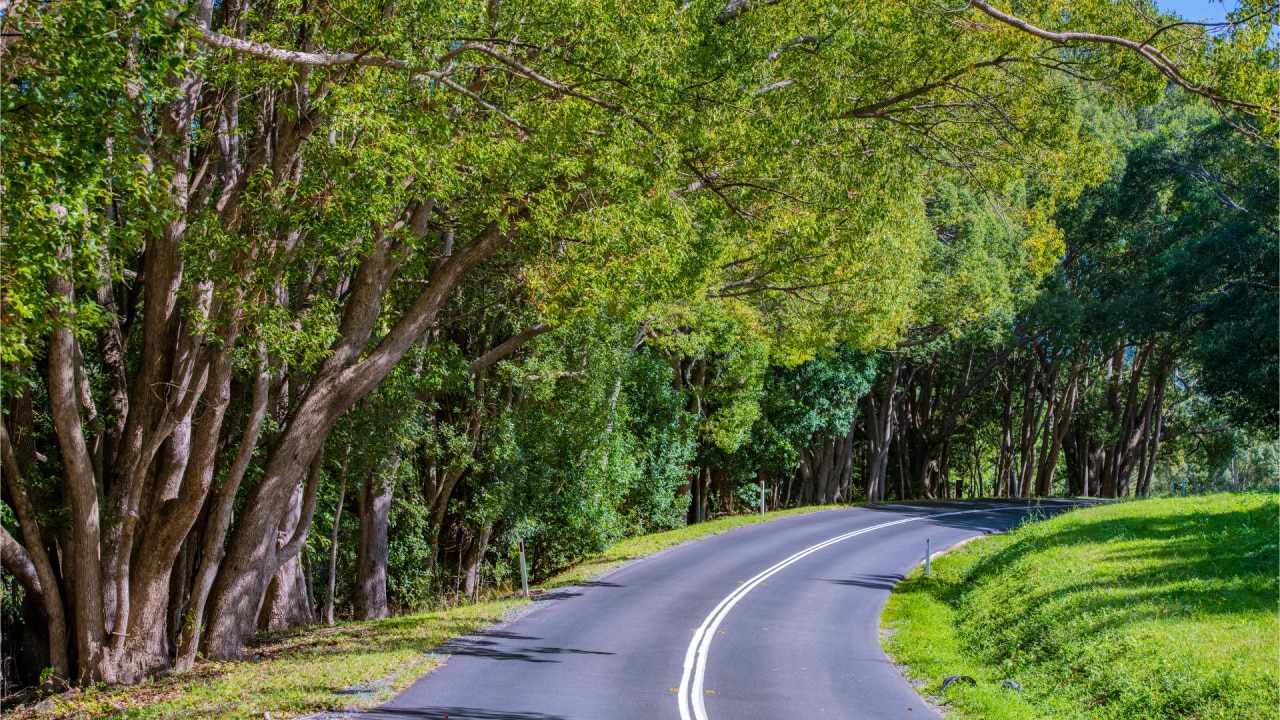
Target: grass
[302, 672]
[1141, 610]
[291, 675]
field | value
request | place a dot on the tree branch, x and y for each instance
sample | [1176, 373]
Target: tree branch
[1147, 52]
[50, 596]
[15, 559]
[296, 57]
[507, 348]
[740, 7]
[309, 494]
[527, 72]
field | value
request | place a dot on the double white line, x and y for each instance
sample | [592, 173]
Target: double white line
[695, 658]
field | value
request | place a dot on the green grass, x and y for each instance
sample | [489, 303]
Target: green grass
[294, 675]
[299, 673]
[1138, 610]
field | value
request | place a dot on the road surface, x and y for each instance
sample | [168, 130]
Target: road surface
[776, 621]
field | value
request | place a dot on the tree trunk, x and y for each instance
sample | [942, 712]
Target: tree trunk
[219, 519]
[50, 595]
[286, 602]
[83, 569]
[333, 546]
[344, 379]
[1004, 480]
[473, 562]
[1027, 437]
[184, 480]
[700, 489]
[879, 427]
[1061, 425]
[371, 556]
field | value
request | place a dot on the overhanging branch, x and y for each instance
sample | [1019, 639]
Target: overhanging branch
[309, 59]
[1152, 55]
[484, 361]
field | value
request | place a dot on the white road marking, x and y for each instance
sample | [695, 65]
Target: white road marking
[695, 658]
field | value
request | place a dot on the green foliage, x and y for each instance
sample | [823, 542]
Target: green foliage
[576, 470]
[409, 587]
[664, 442]
[77, 183]
[815, 400]
[1232, 460]
[1182, 244]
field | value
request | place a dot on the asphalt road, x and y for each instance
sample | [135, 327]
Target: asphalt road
[776, 621]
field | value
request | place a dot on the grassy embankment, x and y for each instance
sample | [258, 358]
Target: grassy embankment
[1138, 610]
[351, 666]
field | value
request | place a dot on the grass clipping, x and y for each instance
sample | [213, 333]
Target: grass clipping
[1147, 609]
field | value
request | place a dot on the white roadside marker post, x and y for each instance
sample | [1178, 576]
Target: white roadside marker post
[927, 569]
[762, 498]
[524, 574]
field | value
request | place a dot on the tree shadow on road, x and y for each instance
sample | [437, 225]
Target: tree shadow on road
[454, 713]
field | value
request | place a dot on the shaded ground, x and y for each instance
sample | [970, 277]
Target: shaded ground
[349, 667]
[1147, 609]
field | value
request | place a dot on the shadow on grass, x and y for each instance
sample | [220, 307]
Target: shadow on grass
[1175, 560]
[419, 634]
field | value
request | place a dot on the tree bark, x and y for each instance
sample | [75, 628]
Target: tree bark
[879, 427]
[50, 595]
[84, 537]
[372, 553]
[243, 576]
[333, 547]
[219, 519]
[286, 603]
[17, 561]
[473, 562]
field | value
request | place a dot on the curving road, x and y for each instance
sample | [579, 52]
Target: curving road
[768, 622]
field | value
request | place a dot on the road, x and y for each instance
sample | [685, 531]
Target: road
[775, 621]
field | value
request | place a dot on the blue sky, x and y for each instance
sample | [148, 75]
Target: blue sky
[1198, 9]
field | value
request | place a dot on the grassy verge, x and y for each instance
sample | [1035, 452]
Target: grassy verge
[348, 667]
[1148, 609]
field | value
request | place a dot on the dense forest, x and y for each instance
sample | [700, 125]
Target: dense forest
[311, 309]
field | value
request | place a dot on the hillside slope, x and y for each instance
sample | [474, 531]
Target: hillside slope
[1146, 609]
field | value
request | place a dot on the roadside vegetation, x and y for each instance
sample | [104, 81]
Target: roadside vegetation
[1153, 609]
[351, 666]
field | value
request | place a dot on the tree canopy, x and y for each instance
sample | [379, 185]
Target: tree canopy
[379, 287]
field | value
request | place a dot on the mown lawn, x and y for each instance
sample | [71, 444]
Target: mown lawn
[348, 667]
[1138, 610]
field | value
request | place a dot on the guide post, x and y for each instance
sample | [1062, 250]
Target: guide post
[524, 574]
